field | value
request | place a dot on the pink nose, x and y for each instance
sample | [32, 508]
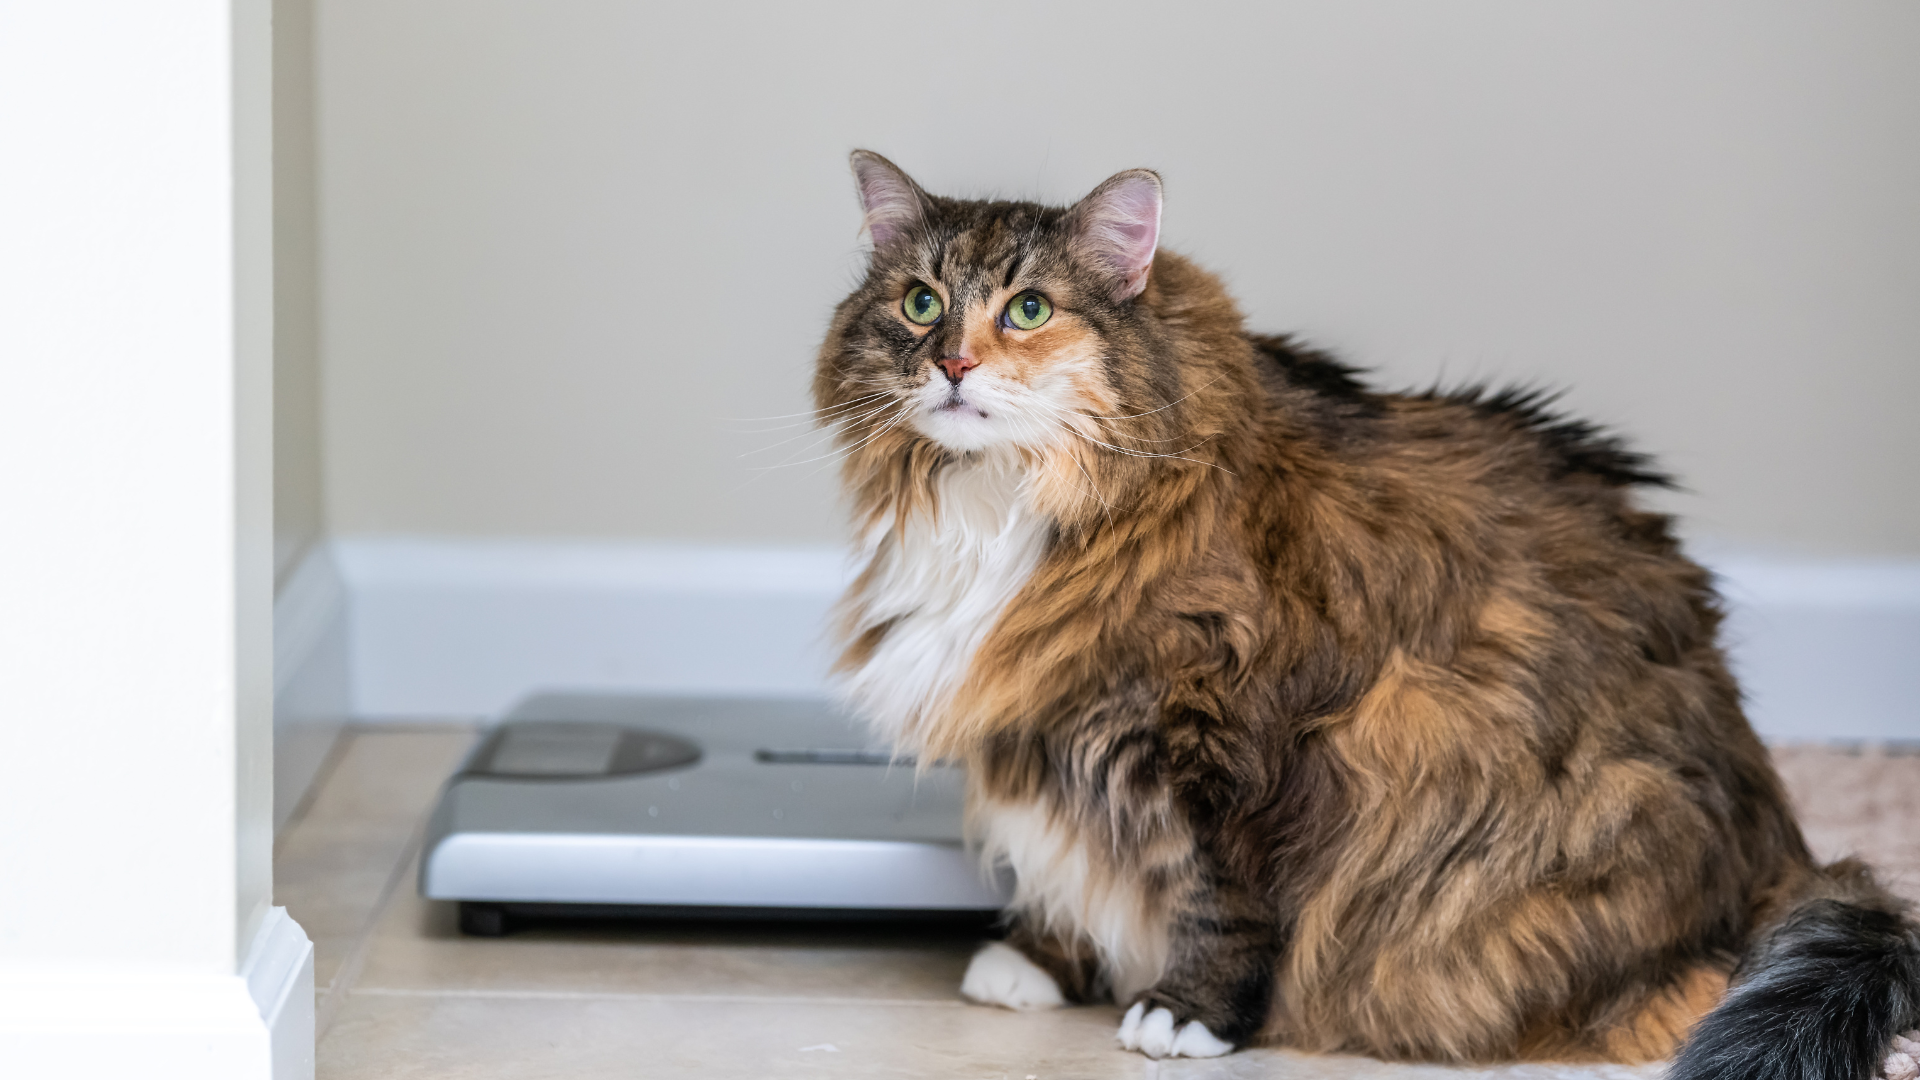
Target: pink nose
[957, 367]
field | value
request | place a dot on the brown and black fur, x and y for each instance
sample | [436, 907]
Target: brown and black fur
[1405, 717]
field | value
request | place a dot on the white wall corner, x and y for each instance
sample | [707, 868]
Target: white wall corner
[311, 680]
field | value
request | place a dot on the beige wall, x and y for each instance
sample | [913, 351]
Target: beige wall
[298, 508]
[563, 243]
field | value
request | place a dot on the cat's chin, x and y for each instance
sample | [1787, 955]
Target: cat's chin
[963, 429]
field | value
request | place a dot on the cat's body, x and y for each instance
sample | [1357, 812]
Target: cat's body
[1302, 713]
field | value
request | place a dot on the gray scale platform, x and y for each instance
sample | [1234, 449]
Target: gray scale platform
[701, 803]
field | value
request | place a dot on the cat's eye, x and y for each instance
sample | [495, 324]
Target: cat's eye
[1029, 311]
[921, 306]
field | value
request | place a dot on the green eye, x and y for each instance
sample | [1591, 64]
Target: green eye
[922, 305]
[1029, 310]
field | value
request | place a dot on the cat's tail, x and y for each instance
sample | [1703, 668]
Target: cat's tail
[1820, 994]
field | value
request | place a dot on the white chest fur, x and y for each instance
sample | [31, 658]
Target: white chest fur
[942, 579]
[1069, 887]
[940, 582]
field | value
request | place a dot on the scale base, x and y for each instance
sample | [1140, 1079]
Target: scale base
[599, 806]
[485, 919]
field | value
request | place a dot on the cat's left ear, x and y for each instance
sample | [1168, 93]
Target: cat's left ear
[1117, 227]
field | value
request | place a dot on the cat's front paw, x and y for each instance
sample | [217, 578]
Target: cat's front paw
[1154, 1033]
[1000, 974]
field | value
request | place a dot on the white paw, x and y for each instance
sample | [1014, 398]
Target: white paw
[1000, 975]
[1903, 1062]
[1153, 1034]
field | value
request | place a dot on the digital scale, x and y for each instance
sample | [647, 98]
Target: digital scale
[605, 805]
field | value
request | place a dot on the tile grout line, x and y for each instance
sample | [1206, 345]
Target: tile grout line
[615, 995]
[337, 752]
[348, 972]
[327, 1009]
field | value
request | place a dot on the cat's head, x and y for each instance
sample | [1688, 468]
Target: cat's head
[986, 324]
[1056, 336]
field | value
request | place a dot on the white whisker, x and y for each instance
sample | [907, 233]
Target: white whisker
[1105, 506]
[1063, 415]
[891, 424]
[1163, 408]
[1062, 411]
[904, 407]
[811, 416]
[1181, 455]
[828, 430]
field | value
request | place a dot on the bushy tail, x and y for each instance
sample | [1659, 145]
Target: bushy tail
[1820, 995]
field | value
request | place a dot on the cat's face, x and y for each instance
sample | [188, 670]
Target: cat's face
[989, 325]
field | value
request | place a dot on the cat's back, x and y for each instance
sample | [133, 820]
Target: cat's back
[1433, 524]
[1517, 433]
[1473, 474]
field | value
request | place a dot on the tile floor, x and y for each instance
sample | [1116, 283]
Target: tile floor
[401, 994]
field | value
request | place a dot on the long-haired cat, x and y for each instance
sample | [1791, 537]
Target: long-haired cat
[1308, 714]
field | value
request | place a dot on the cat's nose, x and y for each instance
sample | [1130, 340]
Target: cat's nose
[956, 367]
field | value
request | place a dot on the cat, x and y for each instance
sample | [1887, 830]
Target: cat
[1307, 714]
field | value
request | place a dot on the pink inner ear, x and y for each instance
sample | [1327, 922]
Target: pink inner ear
[1119, 227]
[891, 204]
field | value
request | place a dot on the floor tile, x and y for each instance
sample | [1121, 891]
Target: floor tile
[416, 946]
[587, 1037]
[637, 999]
[336, 861]
[1863, 802]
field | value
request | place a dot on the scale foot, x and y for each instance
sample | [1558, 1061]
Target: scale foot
[482, 920]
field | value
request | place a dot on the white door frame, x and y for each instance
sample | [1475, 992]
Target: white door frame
[137, 932]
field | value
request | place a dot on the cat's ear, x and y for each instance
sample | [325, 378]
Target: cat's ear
[1117, 227]
[895, 205]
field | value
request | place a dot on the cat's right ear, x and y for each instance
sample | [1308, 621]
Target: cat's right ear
[1117, 228]
[895, 205]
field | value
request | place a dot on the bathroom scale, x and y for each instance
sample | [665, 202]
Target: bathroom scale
[684, 806]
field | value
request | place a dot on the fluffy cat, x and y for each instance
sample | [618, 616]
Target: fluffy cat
[1308, 714]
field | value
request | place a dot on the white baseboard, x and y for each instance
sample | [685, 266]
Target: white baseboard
[466, 628]
[278, 971]
[458, 628]
[109, 1025]
[1825, 650]
[159, 1025]
[312, 691]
